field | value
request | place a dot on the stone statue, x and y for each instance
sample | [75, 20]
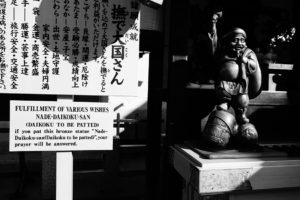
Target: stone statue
[238, 78]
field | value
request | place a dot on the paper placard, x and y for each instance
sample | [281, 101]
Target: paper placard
[74, 47]
[60, 126]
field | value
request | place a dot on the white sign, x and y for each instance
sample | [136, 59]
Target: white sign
[60, 126]
[76, 47]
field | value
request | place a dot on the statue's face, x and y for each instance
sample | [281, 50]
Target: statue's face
[238, 43]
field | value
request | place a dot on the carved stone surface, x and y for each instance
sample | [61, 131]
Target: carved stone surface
[224, 180]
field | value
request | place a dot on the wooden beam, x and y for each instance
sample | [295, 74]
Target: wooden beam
[270, 98]
[280, 66]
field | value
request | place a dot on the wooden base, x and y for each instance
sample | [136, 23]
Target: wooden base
[256, 152]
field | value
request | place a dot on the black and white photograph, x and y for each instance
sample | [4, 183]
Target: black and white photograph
[149, 100]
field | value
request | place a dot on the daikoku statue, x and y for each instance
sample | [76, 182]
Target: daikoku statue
[238, 79]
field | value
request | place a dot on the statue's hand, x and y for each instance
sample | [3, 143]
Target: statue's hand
[241, 57]
[244, 59]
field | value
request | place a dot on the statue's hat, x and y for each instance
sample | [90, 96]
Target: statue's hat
[234, 32]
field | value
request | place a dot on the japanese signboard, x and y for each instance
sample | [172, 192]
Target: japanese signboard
[60, 126]
[77, 47]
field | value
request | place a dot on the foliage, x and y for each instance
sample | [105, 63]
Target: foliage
[285, 37]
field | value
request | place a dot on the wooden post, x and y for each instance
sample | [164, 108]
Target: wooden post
[64, 176]
[64, 169]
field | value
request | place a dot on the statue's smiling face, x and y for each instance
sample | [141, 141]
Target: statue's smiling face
[237, 43]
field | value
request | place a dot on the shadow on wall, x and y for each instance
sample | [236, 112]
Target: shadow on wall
[81, 31]
[187, 107]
